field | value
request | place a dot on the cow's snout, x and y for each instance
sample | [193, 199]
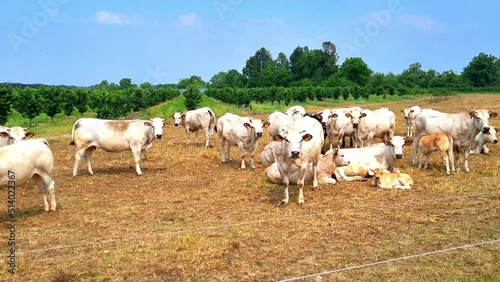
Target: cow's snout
[176, 124]
[259, 134]
[486, 129]
[495, 141]
[406, 117]
[355, 125]
[294, 154]
[159, 136]
[399, 156]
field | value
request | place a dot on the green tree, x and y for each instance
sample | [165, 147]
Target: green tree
[82, 99]
[192, 97]
[29, 102]
[194, 80]
[6, 96]
[126, 83]
[255, 65]
[481, 71]
[356, 70]
[218, 80]
[69, 100]
[52, 98]
[413, 76]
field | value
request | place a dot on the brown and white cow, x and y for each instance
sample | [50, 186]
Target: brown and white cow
[301, 145]
[340, 126]
[243, 132]
[369, 124]
[409, 115]
[327, 164]
[194, 120]
[30, 159]
[13, 135]
[463, 128]
[389, 180]
[115, 136]
[442, 142]
[364, 160]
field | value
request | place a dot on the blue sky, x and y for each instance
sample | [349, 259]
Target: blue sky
[78, 42]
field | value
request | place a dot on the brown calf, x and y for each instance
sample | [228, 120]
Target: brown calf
[442, 142]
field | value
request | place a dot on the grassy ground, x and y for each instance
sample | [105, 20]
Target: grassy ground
[189, 218]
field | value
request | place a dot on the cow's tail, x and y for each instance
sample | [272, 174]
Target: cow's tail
[213, 120]
[73, 133]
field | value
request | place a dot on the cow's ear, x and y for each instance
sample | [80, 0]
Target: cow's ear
[408, 141]
[266, 124]
[387, 143]
[172, 116]
[307, 137]
[492, 114]
[4, 134]
[147, 123]
[278, 138]
[247, 125]
[28, 135]
[335, 115]
[183, 116]
[402, 111]
[348, 115]
[363, 115]
[472, 114]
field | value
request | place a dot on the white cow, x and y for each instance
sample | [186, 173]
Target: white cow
[295, 112]
[13, 135]
[340, 126]
[364, 160]
[479, 145]
[409, 115]
[369, 124]
[326, 166]
[115, 136]
[463, 128]
[30, 159]
[194, 120]
[301, 144]
[243, 132]
[268, 154]
[277, 121]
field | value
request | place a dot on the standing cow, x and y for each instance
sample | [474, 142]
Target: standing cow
[301, 145]
[463, 128]
[243, 132]
[194, 120]
[115, 136]
[369, 124]
[409, 115]
[30, 159]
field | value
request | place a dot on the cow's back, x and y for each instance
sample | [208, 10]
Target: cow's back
[313, 127]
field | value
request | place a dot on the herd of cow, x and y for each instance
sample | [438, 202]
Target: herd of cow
[294, 156]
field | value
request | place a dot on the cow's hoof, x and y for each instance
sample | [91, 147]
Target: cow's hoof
[301, 205]
[283, 203]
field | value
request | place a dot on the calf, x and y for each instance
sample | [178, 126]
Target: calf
[409, 115]
[243, 132]
[300, 145]
[115, 136]
[442, 142]
[194, 120]
[326, 166]
[30, 159]
[13, 135]
[388, 180]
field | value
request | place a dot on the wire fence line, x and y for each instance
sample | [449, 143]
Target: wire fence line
[244, 223]
[391, 260]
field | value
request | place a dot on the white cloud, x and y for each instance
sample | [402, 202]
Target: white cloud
[424, 23]
[110, 18]
[189, 20]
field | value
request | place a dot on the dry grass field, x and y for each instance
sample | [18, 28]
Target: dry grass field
[190, 218]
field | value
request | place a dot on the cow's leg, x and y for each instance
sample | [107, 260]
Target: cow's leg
[340, 175]
[221, 149]
[451, 159]
[196, 137]
[47, 188]
[315, 175]
[427, 160]
[466, 160]
[241, 148]
[421, 157]
[78, 157]
[207, 135]
[446, 161]
[136, 151]
[88, 157]
[415, 150]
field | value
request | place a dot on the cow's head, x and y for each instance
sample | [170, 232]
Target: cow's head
[355, 116]
[292, 138]
[338, 158]
[491, 136]
[256, 126]
[178, 118]
[481, 119]
[406, 112]
[157, 124]
[396, 145]
[16, 134]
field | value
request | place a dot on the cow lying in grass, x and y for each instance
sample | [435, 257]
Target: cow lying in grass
[388, 180]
